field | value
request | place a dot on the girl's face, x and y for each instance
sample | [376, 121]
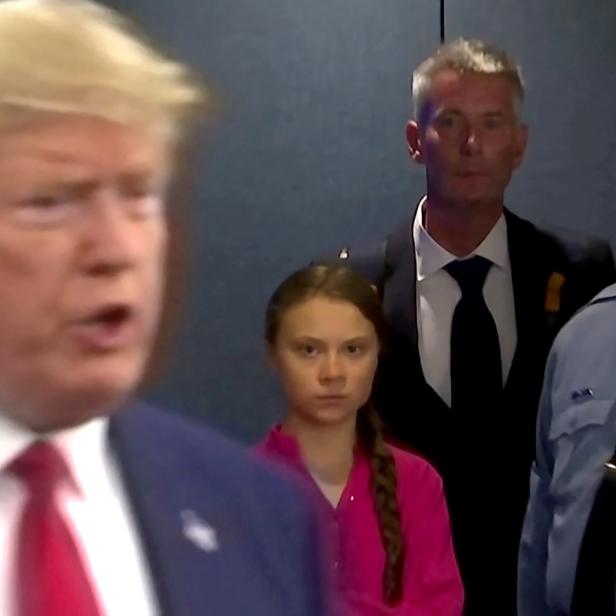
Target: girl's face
[326, 352]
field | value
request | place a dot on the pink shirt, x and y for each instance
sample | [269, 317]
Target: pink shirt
[432, 584]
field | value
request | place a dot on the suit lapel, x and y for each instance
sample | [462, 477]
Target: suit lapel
[400, 305]
[150, 479]
[529, 273]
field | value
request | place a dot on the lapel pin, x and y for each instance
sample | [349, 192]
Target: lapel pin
[199, 532]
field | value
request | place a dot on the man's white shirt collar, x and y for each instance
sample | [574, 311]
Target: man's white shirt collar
[432, 257]
[84, 448]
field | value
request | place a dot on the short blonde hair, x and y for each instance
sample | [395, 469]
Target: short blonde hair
[78, 57]
[466, 56]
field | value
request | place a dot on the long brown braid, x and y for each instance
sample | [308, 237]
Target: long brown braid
[384, 484]
[336, 281]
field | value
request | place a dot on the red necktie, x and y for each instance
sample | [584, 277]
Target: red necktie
[50, 578]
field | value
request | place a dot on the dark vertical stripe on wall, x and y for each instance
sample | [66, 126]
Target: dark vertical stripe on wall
[442, 21]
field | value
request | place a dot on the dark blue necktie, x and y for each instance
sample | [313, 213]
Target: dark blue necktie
[476, 372]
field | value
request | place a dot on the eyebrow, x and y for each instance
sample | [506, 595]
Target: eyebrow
[364, 338]
[313, 339]
[448, 111]
[83, 186]
[49, 154]
[455, 111]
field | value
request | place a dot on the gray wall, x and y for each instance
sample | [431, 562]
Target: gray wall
[309, 153]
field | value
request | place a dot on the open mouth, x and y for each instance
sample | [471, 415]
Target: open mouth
[109, 328]
[111, 316]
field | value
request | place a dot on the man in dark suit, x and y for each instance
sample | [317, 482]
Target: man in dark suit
[474, 295]
[109, 507]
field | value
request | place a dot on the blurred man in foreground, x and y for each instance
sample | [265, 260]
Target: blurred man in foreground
[108, 506]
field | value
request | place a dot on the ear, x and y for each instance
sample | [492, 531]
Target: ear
[413, 141]
[521, 141]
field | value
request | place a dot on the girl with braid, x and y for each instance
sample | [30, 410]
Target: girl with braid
[387, 526]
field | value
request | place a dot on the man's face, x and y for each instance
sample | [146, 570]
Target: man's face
[468, 138]
[82, 249]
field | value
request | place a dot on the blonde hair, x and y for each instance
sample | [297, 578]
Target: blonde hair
[466, 56]
[78, 57]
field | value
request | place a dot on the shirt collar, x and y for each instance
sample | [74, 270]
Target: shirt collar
[285, 446]
[282, 444]
[432, 257]
[84, 448]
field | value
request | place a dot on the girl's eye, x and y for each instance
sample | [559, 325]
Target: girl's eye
[308, 349]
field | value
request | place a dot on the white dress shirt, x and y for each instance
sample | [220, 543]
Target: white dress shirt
[97, 513]
[438, 293]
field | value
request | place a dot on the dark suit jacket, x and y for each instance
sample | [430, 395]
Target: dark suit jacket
[266, 562]
[484, 459]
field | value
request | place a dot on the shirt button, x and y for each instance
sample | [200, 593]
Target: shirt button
[351, 498]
